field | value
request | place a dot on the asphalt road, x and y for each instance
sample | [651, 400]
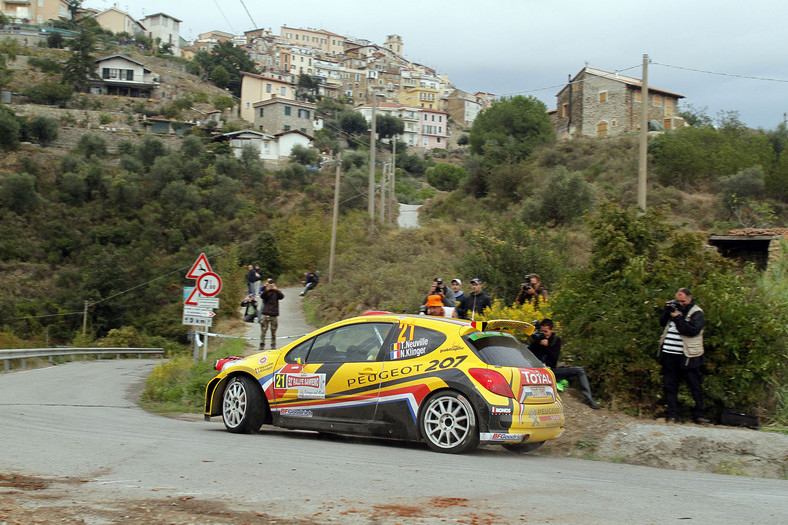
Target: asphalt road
[80, 421]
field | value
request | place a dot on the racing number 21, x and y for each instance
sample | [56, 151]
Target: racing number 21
[403, 328]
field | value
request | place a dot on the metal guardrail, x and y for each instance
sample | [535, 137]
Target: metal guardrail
[37, 353]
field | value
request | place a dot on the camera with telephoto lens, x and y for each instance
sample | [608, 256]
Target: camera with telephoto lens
[538, 335]
[674, 305]
[527, 284]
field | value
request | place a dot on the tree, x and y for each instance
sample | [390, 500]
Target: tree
[220, 77]
[560, 199]
[55, 40]
[509, 130]
[304, 156]
[232, 58]
[44, 130]
[18, 192]
[307, 86]
[446, 177]
[81, 65]
[353, 122]
[9, 129]
[92, 145]
[388, 126]
[49, 93]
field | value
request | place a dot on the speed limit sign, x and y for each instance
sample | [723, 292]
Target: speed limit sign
[209, 284]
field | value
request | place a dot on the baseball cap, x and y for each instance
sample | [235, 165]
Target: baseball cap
[457, 281]
[476, 280]
[434, 300]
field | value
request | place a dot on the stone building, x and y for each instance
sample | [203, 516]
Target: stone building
[597, 103]
[277, 115]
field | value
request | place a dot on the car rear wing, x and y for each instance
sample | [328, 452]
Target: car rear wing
[505, 325]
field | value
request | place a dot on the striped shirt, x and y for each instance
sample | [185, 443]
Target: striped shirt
[673, 343]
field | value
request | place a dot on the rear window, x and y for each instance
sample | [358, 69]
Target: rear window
[502, 349]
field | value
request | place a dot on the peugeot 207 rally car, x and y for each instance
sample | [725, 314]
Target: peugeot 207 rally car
[452, 383]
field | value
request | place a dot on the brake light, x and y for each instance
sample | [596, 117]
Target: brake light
[492, 381]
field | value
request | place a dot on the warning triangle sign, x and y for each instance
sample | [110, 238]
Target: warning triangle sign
[199, 267]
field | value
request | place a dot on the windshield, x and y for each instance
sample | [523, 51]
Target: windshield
[502, 349]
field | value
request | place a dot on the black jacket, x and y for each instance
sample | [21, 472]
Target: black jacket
[546, 354]
[271, 300]
[476, 302]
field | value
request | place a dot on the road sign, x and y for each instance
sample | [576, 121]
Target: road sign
[199, 267]
[197, 311]
[209, 284]
[193, 297]
[195, 320]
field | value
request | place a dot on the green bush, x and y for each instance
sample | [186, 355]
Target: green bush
[50, 93]
[446, 177]
[46, 65]
[43, 130]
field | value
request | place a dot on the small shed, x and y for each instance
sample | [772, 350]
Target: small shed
[755, 245]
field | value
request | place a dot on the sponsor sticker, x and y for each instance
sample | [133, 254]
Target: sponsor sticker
[296, 412]
[535, 376]
[309, 386]
[500, 436]
[263, 360]
[501, 410]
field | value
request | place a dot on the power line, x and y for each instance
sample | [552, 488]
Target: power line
[609, 75]
[254, 26]
[748, 77]
[224, 16]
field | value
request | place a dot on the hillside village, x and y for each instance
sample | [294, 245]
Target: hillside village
[367, 76]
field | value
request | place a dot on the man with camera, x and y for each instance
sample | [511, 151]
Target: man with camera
[531, 291]
[681, 354]
[446, 293]
[269, 316]
[546, 346]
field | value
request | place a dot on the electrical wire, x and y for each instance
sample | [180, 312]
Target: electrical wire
[748, 77]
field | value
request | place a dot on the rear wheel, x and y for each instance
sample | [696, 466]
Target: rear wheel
[448, 424]
[243, 405]
[522, 448]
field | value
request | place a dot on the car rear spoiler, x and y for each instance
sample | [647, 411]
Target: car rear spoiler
[505, 325]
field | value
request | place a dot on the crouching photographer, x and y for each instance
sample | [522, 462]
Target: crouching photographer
[546, 346]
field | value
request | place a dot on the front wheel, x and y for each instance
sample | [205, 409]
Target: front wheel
[522, 448]
[242, 406]
[448, 423]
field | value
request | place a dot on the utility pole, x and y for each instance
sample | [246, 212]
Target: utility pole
[383, 188]
[85, 318]
[643, 157]
[392, 193]
[334, 220]
[371, 189]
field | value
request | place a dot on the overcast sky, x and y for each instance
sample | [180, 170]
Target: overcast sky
[529, 47]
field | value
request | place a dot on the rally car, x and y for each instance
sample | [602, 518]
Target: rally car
[451, 383]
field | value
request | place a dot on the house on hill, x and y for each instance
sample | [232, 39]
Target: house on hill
[276, 115]
[119, 21]
[120, 75]
[598, 103]
[166, 28]
[276, 147]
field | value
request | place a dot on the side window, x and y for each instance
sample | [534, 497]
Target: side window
[413, 341]
[350, 344]
[299, 351]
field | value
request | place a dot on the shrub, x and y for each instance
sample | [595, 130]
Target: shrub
[446, 177]
[51, 93]
[46, 65]
[43, 130]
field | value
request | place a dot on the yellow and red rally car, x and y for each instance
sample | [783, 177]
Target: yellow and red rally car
[452, 383]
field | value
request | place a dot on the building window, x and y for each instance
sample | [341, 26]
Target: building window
[667, 123]
[287, 110]
[261, 112]
[287, 128]
[638, 96]
[601, 129]
[603, 96]
[268, 88]
[564, 110]
[283, 91]
[657, 101]
[669, 107]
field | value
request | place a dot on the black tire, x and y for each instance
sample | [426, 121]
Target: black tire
[522, 448]
[243, 405]
[448, 423]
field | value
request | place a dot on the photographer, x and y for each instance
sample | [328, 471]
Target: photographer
[269, 317]
[681, 354]
[250, 308]
[532, 291]
[446, 293]
[546, 346]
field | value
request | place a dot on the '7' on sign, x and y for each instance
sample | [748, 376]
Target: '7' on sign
[209, 284]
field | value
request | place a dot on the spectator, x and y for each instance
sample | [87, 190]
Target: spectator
[531, 291]
[681, 354]
[459, 295]
[269, 317]
[477, 301]
[250, 308]
[251, 277]
[446, 294]
[257, 285]
[434, 306]
[546, 346]
[310, 281]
